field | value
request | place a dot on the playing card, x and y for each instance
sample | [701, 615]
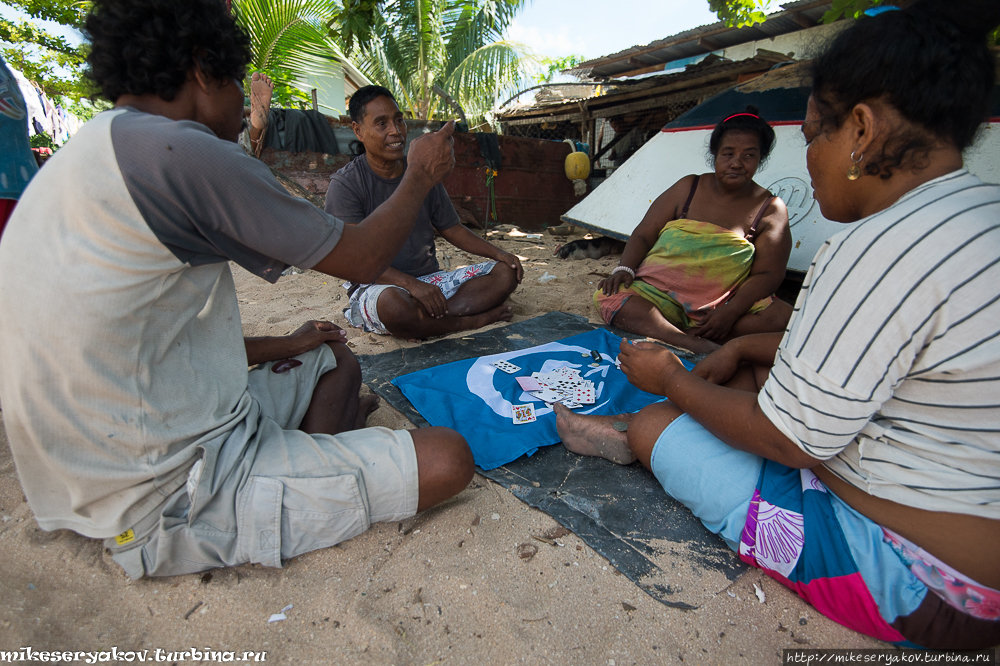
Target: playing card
[523, 413]
[544, 380]
[564, 385]
[571, 404]
[529, 383]
[584, 395]
[509, 368]
[548, 395]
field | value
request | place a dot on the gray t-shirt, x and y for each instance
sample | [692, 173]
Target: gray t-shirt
[122, 348]
[355, 191]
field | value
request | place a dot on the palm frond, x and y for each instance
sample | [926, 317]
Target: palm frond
[375, 64]
[289, 41]
[455, 44]
[470, 25]
[492, 71]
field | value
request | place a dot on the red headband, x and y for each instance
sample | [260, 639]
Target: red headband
[735, 115]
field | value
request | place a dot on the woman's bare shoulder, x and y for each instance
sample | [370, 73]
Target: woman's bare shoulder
[677, 194]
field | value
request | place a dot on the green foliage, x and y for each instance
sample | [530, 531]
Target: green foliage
[552, 66]
[84, 110]
[290, 40]
[66, 12]
[48, 60]
[849, 9]
[457, 45]
[42, 140]
[356, 20]
[738, 13]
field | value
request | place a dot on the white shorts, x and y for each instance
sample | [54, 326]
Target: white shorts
[363, 310]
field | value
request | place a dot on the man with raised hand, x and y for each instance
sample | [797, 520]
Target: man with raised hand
[130, 411]
[413, 299]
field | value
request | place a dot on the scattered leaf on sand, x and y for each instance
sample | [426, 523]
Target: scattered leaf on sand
[526, 551]
[476, 520]
[628, 607]
[556, 532]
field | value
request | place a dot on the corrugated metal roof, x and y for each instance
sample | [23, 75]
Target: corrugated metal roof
[794, 16]
[564, 96]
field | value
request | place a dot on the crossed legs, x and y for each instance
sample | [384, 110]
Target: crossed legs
[637, 315]
[444, 461]
[477, 302]
[596, 436]
[640, 316]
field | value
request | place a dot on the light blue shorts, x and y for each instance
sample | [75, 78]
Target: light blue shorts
[707, 475]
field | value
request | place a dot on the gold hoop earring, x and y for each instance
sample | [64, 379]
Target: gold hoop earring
[855, 171]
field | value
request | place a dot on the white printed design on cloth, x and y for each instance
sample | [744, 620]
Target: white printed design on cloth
[810, 481]
[779, 538]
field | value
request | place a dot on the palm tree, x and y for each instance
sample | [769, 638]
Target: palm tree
[457, 45]
[290, 42]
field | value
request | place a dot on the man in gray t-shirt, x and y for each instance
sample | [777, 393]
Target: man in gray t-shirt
[413, 298]
[127, 400]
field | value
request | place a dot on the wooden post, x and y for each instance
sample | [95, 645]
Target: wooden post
[315, 100]
[585, 121]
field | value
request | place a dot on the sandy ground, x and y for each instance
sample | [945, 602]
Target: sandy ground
[445, 587]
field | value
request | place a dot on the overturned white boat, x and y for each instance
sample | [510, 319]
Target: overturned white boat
[681, 148]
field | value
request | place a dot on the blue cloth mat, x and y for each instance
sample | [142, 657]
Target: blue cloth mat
[475, 398]
[620, 511]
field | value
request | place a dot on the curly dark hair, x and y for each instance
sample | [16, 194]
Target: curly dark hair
[144, 47]
[929, 61]
[748, 120]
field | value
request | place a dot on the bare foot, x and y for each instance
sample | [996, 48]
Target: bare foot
[261, 89]
[500, 313]
[366, 405]
[593, 435]
[695, 344]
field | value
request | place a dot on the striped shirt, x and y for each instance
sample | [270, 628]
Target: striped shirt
[890, 368]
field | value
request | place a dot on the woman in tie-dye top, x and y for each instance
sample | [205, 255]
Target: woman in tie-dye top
[709, 252]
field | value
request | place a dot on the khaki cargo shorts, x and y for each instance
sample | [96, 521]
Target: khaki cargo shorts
[271, 492]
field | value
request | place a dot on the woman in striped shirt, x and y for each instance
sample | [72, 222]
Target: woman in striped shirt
[856, 458]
